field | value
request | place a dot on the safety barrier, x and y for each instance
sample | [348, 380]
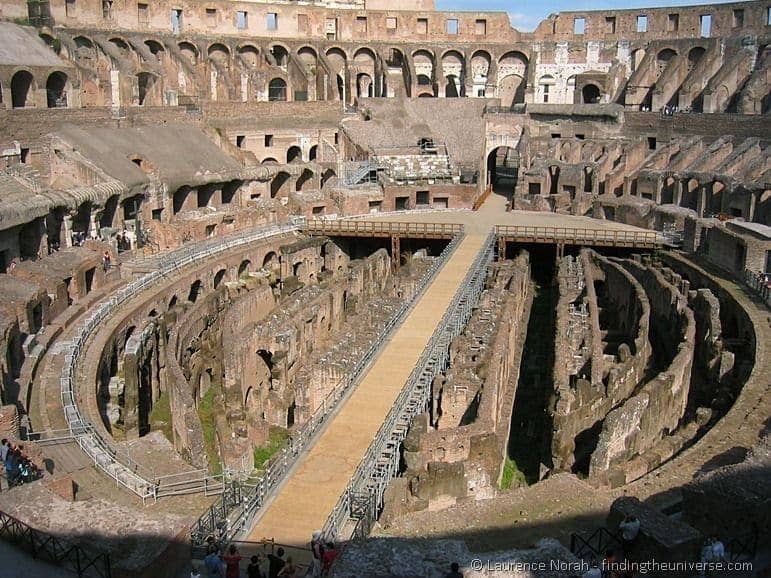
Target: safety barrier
[760, 283]
[595, 546]
[362, 500]
[52, 549]
[112, 461]
[585, 236]
[228, 518]
[380, 228]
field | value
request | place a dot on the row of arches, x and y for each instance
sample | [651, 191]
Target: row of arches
[24, 86]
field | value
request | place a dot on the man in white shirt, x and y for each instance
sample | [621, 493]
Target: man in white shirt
[630, 528]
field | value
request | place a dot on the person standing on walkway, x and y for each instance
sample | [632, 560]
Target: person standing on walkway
[232, 562]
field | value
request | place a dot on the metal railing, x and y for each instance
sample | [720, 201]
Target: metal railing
[52, 549]
[362, 500]
[367, 228]
[116, 463]
[233, 513]
[595, 546]
[760, 283]
[604, 237]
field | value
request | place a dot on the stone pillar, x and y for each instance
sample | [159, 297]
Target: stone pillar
[701, 199]
[66, 234]
[93, 222]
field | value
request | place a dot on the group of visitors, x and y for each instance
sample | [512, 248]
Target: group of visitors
[324, 554]
[227, 564]
[123, 242]
[19, 469]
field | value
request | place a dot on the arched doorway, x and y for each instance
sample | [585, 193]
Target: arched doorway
[56, 90]
[591, 94]
[277, 90]
[503, 170]
[21, 85]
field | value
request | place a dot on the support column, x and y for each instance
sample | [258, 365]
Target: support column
[66, 240]
[395, 252]
[501, 248]
[93, 222]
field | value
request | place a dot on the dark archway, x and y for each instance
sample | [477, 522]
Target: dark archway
[56, 90]
[21, 85]
[591, 94]
[294, 155]
[277, 90]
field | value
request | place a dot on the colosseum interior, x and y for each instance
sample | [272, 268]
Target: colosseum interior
[437, 288]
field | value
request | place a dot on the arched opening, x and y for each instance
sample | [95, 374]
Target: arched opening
[326, 175]
[511, 90]
[294, 155]
[545, 87]
[299, 269]
[156, 49]
[662, 60]
[189, 51]
[313, 153]
[279, 184]
[503, 170]
[229, 191]
[280, 55]
[145, 83]
[694, 56]
[21, 85]
[304, 180]
[270, 262]
[591, 94]
[244, 267]
[56, 90]
[453, 72]
[180, 198]
[195, 291]
[218, 277]
[108, 213]
[423, 80]
[269, 161]
[219, 54]
[423, 61]
[277, 90]
[364, 86]
[480, 68]
[172, 302]
[249, 55]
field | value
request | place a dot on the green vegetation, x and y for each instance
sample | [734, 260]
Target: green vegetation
[160, 416]
[512, 476]
[276, 439]
[206, 414]
[20, 21]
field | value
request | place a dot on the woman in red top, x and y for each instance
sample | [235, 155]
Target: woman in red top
[232, 560]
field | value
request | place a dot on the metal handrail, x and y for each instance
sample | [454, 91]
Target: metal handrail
[237, 518]
[47, 546]
[759, 285]
[116, 464]
[362, 498]
[550, 233]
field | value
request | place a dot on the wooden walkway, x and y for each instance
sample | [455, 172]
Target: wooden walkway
[313, 488]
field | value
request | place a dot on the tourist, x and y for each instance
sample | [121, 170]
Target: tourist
[232, 562]
[106, 261]
[454, 571]
[253, 570]
[317, 549]
[5, 445]
[629, 528]
[275, 563]
[328, 558]
[213, 565]
[289, 570]
[609, 565]
[195, 571]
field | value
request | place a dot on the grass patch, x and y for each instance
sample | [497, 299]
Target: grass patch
[512, 476]
[206, 413]
[276, 439]
[160, 416]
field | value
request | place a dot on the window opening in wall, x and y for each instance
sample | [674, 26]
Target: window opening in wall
[302, 22]
[330, 27]
[107, 9]
[143, 13]
[391, 23]
[268, 140]
[738, 20]
[337, 138]
[242, 20]
[452, 26]
[580, 136]
[652, 143]
[361, 24]
[610, 24]
[673, 22]
[422, 197]
[24, 157]
[480, 27]
[272, 21]
[156, 214]
[546, 93]
[642, 24]
[579, 25]
[211, 17]
[240, 139]
[768, 16]
[176, 20]
[705, 21]
[422, 25]
[556, 135]
[69, 8]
